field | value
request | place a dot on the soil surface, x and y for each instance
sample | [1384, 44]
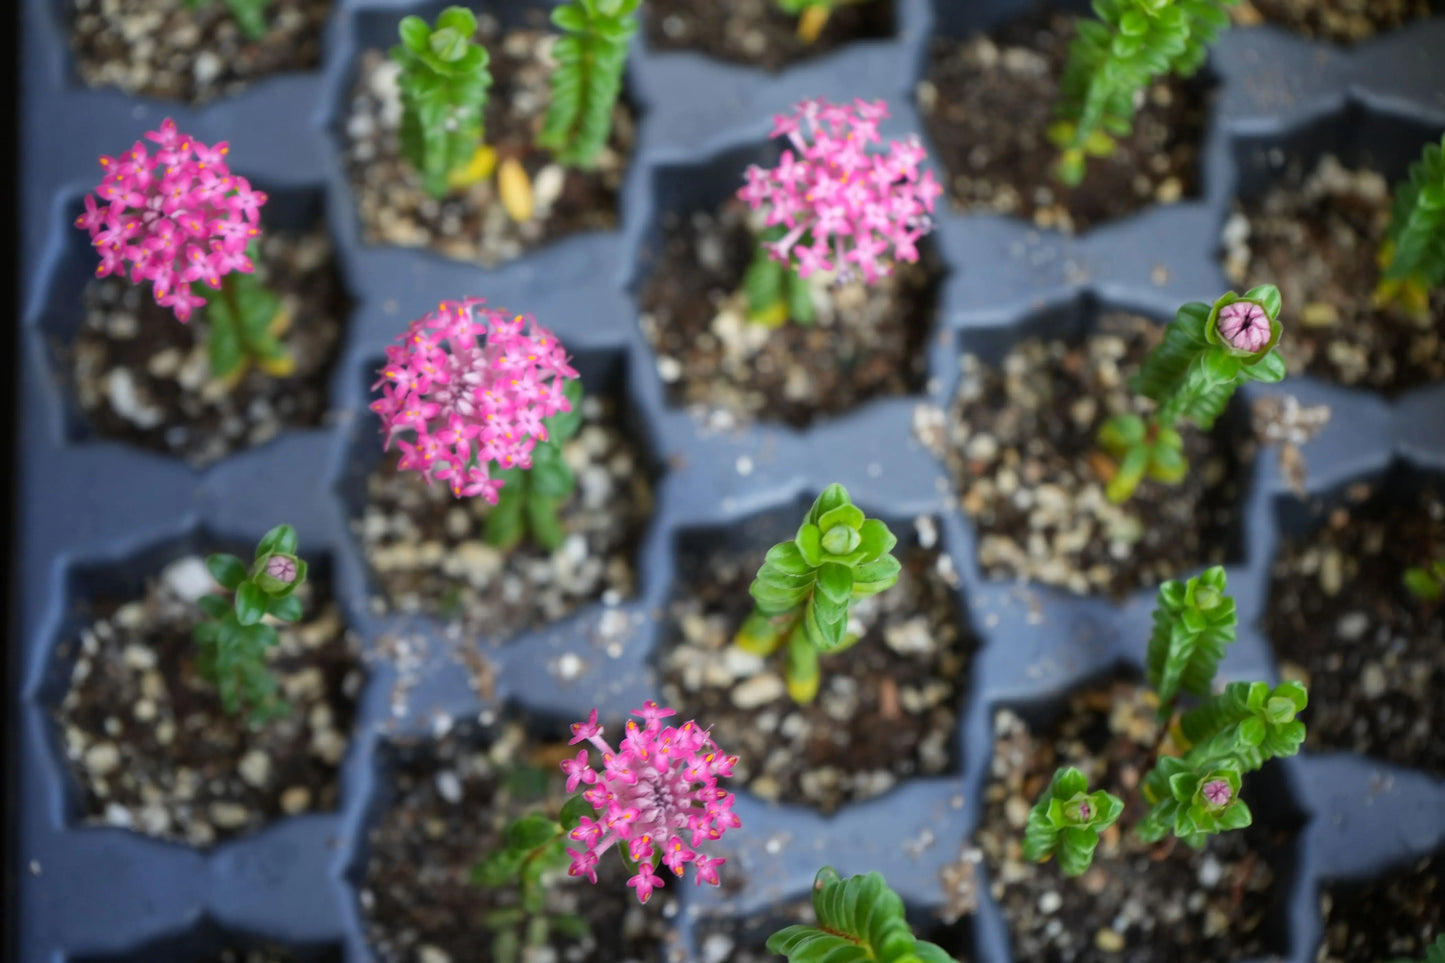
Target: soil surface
[909, 669]
[1137, 903]
[987, 105]
[743, 940]
[426, 551]
[150, 743]
[1342, 622]
[1343, 21]
[757, 32]
[1018, 440]
[1395, 916]
[866, 342]
[472, 225]
[171, 51]
[142, 377]
[449, 803]
[1316, 237]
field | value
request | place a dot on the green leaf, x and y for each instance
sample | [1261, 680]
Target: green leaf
[279, 540]
[859, 919]
[215, 606]
[286, 609]
[505, 524]
[532, 831]
[550, 476]
[547, 530]
[228, 570]
[573, 810]
[250, 603]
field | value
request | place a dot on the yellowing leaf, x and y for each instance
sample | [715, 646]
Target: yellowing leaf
[812, 22]
[515, 189]
[474, 171]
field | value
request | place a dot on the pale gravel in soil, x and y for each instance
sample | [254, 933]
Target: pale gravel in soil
[460, 770]
[251, 413]
[778, 738]
[1342, 21]
[1118, 894]
[453, 574]
[113, 764]
[1336, 330]
[471, 225]
[1007, 467]
[169, 50]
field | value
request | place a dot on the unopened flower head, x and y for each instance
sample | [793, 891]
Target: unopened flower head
[282, 568]
[173, 217]
[1244, 325]
[656, 794]
[473, 386]
[844, 208]
[1217, 792]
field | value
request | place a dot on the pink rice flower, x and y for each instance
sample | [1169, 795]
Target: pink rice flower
[657, 794]
[844, 208]
[472, 386]
[172, 218]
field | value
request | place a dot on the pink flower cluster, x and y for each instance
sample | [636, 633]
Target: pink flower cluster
[474, 387]
[853, 207]
[658, 794]
[175, 217]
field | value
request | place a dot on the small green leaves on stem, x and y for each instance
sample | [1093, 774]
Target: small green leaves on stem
[775, 292]
[806, 585]
[1208, 351]
[250, 15]
[244, 323]
[1249, 722]
[859, 919]
[1413, 256]
[233, 640]
[1193, 622]
[1112, 59]
[530, 497]
[1067, 821]
[588, 77]
[444, 81]
[1427, 583]
[1192, 802]
[533, 853]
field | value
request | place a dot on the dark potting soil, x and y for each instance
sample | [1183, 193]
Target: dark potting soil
[757, 32]
[866, 342]
[171, 51]
[471, 224]
[450, 801]
[1343, 21]
[1137, 903]
[743, 940]
[1316, 236]
[987, 105]
[885, 711]
[426, 550]
[150, 743]
[1393, 916]
[1341, 621]
[143, 377]
[1019, 439]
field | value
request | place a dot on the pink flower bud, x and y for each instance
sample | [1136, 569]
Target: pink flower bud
[1218, 793]
[1244, 326]
[282, 568]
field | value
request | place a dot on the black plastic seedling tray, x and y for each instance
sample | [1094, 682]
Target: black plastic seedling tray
[91, 505]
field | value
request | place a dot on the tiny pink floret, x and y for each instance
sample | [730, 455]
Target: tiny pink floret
[657, 795]
[173, 217]
[1218, 792]
[845, 209]
[1244, 325]
[472, 386]
[282, 568]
